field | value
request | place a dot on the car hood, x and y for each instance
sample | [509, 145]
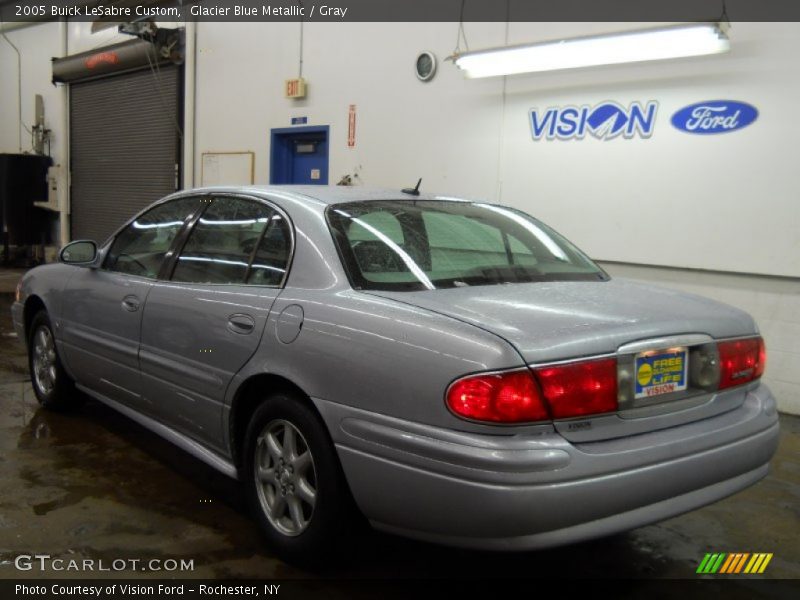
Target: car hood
[566, 319]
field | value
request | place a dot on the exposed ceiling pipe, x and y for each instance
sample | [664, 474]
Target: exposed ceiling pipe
[64, 198]
[19, 89]
[190, 106]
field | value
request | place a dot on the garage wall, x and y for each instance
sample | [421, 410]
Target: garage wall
[731, 201]
[677, 199]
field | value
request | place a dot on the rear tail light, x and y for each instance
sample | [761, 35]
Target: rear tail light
[580, 388]
[741, 361]
[511, 397]
[562, 391]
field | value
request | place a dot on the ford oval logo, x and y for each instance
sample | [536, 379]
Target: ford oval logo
[714, 116]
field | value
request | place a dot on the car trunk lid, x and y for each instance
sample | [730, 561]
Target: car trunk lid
[552, 321]
[556, 321]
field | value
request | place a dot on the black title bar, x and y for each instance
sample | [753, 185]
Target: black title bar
[399, 10]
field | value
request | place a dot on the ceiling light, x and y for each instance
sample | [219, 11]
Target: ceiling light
[678, 41]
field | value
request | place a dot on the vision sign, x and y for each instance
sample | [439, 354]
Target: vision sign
[604, 121]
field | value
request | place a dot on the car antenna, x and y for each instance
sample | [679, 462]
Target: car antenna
[413, 191]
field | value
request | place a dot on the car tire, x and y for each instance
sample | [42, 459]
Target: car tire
[295, 485]
[54, 389]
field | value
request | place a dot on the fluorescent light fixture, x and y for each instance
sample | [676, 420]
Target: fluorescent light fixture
[676, 41]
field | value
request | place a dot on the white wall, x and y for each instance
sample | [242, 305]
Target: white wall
[466, 136]
[442, 132]
[724, 203]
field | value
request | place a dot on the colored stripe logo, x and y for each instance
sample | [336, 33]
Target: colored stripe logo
[734, 563]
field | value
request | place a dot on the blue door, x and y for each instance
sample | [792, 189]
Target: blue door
[299, 155]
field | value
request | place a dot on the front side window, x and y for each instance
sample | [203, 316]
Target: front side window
[235, 241]
[140, 248]
[430, 244]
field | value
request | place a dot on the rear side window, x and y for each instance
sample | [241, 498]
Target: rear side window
[139, 249]
[272, 256]
[235, 241]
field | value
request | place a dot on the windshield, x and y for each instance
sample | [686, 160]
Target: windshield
[430, 244]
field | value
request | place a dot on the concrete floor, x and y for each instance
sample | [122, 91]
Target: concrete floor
[95, 485]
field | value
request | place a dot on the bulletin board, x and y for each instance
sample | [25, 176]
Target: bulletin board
[227, 168]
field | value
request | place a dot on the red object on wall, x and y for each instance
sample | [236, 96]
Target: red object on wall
[351, 127]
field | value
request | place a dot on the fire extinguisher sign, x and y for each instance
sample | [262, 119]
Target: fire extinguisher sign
[351, 127]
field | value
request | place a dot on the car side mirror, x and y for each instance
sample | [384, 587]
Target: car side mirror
[80, 252]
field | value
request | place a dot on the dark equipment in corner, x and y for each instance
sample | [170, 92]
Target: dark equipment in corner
[412, 191]
[23, 181]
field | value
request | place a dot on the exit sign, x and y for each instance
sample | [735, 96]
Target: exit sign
[295, 88]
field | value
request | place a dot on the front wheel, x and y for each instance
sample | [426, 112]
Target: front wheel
[53, 387]
[294, 482]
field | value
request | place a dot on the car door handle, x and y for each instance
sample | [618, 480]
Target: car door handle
[130, 303]
[241, 323]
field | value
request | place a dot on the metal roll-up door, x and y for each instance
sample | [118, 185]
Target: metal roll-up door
[124, 147]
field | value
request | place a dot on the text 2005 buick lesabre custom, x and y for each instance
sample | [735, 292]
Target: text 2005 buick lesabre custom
[456, 371]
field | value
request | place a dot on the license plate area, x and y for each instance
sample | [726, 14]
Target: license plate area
[660, 372]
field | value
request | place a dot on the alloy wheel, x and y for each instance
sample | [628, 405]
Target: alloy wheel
[286, 479]
[44, 360]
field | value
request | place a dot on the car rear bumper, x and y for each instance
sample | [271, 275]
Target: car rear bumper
[524, 492]
[17, 318]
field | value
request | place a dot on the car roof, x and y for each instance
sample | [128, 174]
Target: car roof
[324, 194]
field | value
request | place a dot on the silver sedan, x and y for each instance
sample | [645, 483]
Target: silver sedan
[453, 371]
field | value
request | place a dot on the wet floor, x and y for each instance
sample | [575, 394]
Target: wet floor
[95, 485]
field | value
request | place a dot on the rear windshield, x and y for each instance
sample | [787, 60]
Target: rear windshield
[430, 244]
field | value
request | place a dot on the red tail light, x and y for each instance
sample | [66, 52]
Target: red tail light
[741, 361]
[569, 390]
[511, 397]
[580, 388]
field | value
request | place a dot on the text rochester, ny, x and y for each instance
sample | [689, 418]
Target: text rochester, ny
[162, 589]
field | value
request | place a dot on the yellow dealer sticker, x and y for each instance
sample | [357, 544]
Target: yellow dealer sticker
[661, 372]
